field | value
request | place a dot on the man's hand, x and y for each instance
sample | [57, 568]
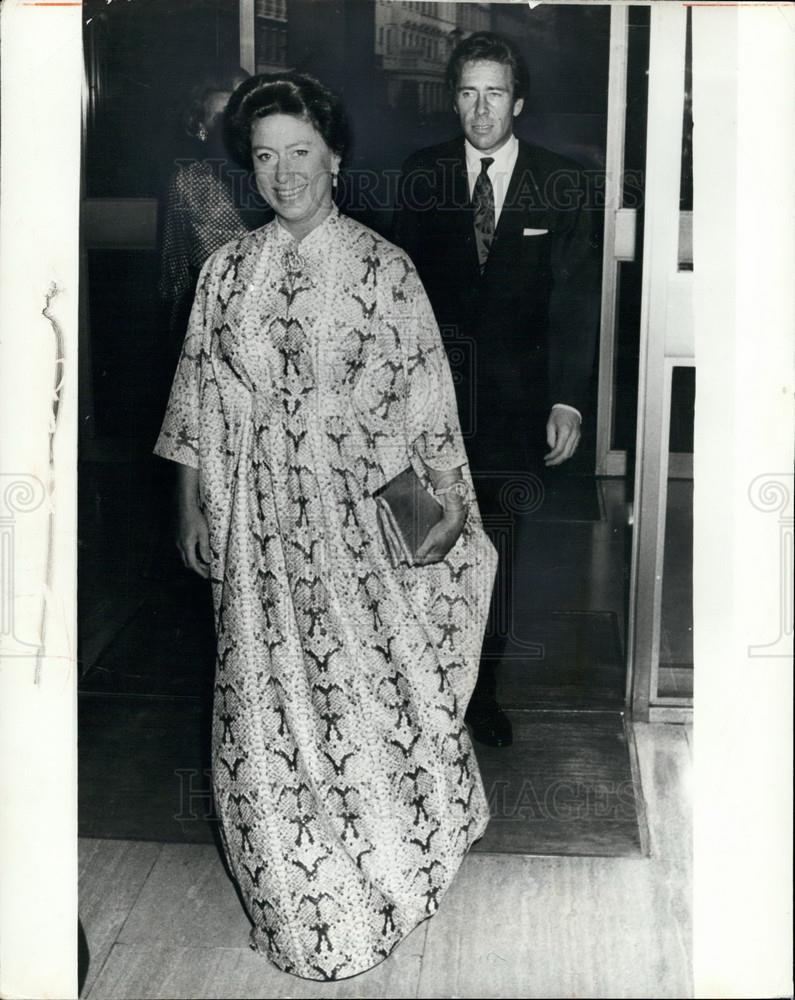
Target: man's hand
[563, 435]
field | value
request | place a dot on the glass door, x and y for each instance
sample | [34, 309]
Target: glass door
[646, 387]
[660, 676]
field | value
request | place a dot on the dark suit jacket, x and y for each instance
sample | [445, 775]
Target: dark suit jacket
[523, 335]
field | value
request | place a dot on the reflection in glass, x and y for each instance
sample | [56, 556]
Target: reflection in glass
[270, 34]
[686, 185]
[637, 106]
[412, 44]
[630, 273]
[625, 383]
[683, 401]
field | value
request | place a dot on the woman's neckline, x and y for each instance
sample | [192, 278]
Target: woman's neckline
[308, 238]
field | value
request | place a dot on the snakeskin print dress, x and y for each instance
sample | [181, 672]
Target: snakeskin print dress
[344, 778]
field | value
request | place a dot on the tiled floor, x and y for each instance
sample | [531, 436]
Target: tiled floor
[163, 920]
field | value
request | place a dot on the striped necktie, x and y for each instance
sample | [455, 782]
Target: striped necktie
[483, 204]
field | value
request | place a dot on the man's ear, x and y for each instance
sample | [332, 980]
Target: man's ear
[517, 106]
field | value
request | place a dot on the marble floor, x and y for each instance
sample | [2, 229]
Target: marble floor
[163, 920]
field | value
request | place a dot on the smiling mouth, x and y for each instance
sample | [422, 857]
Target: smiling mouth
[290, 194]
[482, 127]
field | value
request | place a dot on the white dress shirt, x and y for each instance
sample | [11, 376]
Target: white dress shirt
[500, 176]
[499, 172]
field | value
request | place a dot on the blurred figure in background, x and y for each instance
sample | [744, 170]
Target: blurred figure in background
[210, 200]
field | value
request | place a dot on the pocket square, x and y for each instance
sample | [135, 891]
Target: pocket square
[534, 232]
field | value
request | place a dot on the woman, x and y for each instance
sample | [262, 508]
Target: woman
[312, 373]
[208, 204]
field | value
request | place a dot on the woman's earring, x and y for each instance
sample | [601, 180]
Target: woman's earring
[202, 134]
[334, 177]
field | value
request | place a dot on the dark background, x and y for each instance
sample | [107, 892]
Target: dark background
[146, 642]
[143, 55]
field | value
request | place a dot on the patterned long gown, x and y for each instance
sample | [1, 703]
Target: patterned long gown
[344, 777]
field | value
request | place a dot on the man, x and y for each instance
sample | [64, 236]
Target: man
[505, 245]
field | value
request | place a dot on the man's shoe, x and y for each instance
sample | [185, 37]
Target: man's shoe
[490, 725]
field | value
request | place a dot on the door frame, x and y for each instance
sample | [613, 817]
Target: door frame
[620, 246]
[666, 340]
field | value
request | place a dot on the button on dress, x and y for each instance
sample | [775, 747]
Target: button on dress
[345, 782]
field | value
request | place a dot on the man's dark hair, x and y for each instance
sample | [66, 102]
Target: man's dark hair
[290, 93]
[495, 48]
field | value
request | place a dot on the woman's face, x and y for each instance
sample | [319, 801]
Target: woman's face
[293, 168]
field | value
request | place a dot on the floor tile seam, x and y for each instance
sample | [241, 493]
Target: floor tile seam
[120, 931]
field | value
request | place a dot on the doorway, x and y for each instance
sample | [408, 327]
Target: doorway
[147, 654]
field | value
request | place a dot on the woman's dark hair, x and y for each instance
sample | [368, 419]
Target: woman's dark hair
[283, 94]
[485, 45]
[219, 77]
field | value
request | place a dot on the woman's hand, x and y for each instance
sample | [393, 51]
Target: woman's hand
[193, 541]
[442, 536]
[193, 537]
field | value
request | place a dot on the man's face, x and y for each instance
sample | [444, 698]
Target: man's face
[484, 104]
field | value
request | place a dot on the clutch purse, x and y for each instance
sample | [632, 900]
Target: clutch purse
[406, 511]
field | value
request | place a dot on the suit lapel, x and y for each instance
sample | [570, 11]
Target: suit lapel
[523, 193]
[522, 207]
[456, 182]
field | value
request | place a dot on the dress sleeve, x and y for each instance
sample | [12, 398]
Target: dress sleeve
[432, 427]
[179, 434]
